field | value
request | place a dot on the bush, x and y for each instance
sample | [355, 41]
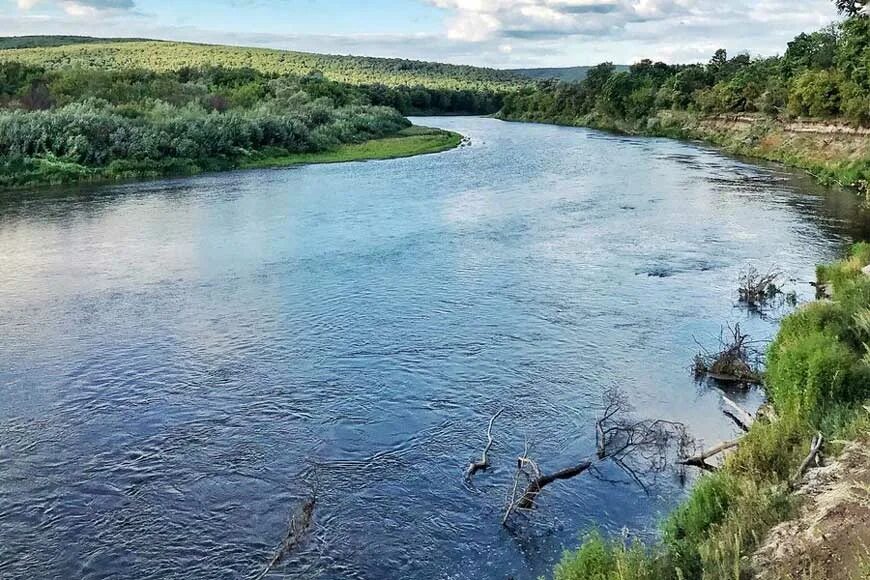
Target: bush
[808, 373]
[687, 527]
[598, 559]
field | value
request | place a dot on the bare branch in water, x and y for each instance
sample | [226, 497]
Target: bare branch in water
[483, 464]
[639, 448]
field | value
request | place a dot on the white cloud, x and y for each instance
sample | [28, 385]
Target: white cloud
[477, 20]
[80, 8]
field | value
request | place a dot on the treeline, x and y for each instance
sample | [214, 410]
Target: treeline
[219, 88]
[825, 74]
[171, 56]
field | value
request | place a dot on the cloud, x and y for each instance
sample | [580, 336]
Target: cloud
[81, 8]
[479, 20]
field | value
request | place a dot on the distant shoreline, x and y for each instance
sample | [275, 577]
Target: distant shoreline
[410, 142]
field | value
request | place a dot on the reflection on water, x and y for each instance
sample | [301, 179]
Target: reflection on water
[179, 359]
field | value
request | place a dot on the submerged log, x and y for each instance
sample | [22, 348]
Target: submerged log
[527, 500]
[738, 414]
[700, 460]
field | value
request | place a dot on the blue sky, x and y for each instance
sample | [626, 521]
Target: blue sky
[502, 33]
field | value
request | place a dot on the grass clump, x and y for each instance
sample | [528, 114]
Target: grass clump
[600, 559]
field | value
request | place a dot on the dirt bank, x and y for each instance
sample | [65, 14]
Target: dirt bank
[830, 537]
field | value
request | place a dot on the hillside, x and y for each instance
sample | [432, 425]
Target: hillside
[46, 41]
[571, 74]
[169, 56]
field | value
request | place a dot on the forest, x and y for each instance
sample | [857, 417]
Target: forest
[171, 56]
[825, 74]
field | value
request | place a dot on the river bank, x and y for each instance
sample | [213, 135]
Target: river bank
[817, 382]
[50, 171]
[834, 153]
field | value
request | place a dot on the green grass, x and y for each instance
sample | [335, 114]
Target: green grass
[407, 143]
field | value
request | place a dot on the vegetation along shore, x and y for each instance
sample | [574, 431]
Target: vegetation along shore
[806, 108]
[817, 380]
[77, 109]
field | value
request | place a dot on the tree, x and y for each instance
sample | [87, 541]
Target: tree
[851, 8]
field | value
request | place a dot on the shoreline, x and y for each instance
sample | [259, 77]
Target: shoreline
[820, 149]
[757, 513]
[410, 142]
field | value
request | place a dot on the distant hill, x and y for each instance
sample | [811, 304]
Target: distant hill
[8, 42]
[115, 54]
[569, 74]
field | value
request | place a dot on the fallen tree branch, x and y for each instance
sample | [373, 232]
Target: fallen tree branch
[527, 500]
[483, 464]
[700, 460]
[512, 503]
[299, 524]
[738, 414]
[815, 446]
[640, 448]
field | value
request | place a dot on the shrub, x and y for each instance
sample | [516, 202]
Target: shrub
[809, 372]
[598, 559]
[687, 527]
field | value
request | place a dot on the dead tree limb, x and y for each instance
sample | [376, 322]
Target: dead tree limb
[637, 447]
[738, 414]
[521, 462]
[756, 289]
[700, 460]
[299, 524]
[737, 360]
[527, 500]
[815, 446]
[483, 464]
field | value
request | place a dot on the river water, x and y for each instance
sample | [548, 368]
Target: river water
[182, 360]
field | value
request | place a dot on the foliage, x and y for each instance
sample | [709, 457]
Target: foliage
[159, 56]
[824, 74]
[74, 124]
[598, 559]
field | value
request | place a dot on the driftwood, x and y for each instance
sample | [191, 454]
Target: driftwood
[637, 447]
[298, 527]
[483, 464]
[700, 460]
[756, 289]
[815, 447]
[735, 362]
[738, 414]
[527, 500]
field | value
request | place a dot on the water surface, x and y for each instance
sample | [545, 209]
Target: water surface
[180, 360]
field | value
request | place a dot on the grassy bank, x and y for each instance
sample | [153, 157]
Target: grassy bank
[407, 143]
[47, 170]
[817, 380]
[834, 154]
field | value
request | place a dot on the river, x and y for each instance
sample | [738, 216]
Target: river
[182, 360]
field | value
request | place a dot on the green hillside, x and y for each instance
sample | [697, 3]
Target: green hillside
[169, 56]
[46, 41]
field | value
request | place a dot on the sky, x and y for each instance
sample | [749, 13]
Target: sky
[499, 33]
